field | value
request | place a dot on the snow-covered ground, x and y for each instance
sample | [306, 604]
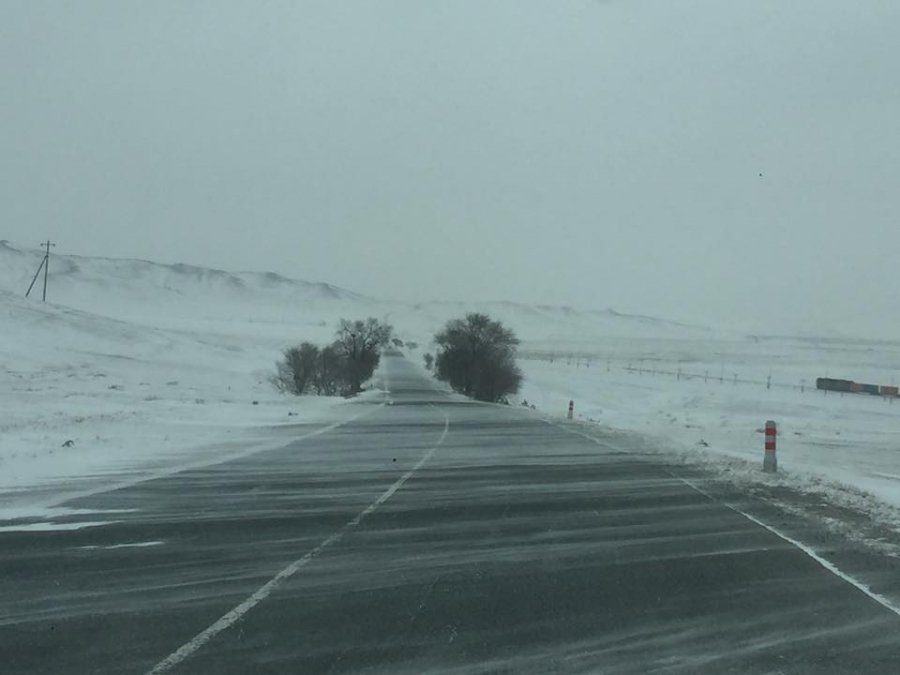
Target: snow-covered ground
[89, 401]
[707, 404]
[138, 369]
[146, 367]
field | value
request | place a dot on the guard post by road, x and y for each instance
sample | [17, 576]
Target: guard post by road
[770, 461]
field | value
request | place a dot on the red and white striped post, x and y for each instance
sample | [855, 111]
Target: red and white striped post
[571, 409]
[770, 462]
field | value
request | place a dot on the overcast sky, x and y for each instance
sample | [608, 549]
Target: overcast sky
[725, 161]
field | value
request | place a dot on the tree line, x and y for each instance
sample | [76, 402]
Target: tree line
[339, 369]
[475, 355]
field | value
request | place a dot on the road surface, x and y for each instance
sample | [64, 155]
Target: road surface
[431, 534]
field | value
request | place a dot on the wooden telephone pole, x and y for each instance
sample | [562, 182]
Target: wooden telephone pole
[45, 265]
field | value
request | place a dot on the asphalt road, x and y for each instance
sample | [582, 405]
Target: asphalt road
[430, 535]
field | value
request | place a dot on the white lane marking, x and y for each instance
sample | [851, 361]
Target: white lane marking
[112, 547]
[827, 564]
[231, 617]
[54, 527]
[823, 562]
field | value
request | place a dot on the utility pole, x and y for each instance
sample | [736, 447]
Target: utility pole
[48, 244]
[45, 264]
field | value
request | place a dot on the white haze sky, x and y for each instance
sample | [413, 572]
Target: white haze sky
[594, 154]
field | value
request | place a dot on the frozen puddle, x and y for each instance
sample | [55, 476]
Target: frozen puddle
[137, 544]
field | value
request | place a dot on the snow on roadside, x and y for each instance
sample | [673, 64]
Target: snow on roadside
[843, 448]
[88, 400]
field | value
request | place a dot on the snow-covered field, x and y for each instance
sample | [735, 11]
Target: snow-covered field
[89, 401]
[147, 367]
[138, 369]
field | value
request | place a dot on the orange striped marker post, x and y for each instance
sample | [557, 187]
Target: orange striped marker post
[770, 462]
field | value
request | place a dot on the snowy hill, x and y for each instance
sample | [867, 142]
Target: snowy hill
[145, 291]
[178, 296]
[541, 325]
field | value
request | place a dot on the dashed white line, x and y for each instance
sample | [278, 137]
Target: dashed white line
[231, 617]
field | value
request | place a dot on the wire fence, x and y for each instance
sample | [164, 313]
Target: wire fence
[660, 368]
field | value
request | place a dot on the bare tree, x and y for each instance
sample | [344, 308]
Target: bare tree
[340, 368]
[359, 343]
[296, 371]
[329, 372]
[477, 357]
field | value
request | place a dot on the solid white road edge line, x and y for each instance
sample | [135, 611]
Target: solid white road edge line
[827, 564]
[824, 563]
[231, 617]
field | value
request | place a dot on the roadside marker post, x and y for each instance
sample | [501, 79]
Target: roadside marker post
[770, 462]
[571, 409]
